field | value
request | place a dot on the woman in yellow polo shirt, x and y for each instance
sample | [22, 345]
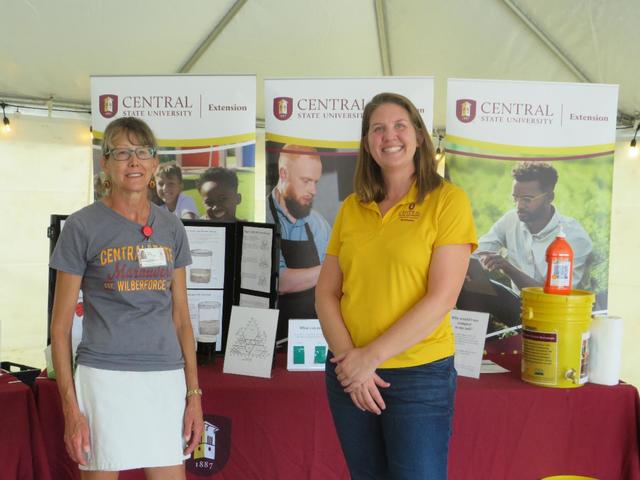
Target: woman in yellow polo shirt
[395, 264]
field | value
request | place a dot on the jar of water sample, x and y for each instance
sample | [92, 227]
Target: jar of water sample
[209, 315]
[201, 267]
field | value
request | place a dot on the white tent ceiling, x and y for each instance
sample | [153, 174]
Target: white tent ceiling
[50, 48]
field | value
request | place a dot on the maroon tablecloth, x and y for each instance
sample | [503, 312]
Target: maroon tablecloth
[280, 428]
[52, 421]
[507, 429]
[22, 451]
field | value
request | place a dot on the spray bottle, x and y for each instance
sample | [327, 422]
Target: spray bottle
[559, 266]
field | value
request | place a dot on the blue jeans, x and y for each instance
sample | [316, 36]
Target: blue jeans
[410, 439]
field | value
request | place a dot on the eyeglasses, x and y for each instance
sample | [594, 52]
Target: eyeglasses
[527, 199]
[124, 154]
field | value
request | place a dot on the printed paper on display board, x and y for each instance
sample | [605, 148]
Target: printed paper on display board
[251, 341]
[206, 309]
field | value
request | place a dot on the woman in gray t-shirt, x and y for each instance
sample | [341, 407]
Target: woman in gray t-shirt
[136, 377]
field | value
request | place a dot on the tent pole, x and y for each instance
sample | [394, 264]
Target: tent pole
[383, 41]
[623, 118]
[217, 30]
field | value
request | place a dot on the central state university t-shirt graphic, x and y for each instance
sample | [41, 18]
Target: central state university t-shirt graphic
[212, 452]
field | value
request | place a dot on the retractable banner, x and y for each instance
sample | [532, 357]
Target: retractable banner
[536, 158]
[313, 119]
[205, 125]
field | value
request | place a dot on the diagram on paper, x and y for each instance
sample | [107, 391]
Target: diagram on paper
[250, 342]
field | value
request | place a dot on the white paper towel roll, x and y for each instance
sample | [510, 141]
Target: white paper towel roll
[605, 350]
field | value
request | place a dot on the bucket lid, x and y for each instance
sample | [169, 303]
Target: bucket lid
[576, 297]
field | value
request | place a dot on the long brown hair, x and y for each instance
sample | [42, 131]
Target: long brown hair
[368, 182]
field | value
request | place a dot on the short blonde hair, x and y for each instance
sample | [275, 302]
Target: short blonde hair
[134, 128]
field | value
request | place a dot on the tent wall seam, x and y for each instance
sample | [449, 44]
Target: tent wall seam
[383, 40]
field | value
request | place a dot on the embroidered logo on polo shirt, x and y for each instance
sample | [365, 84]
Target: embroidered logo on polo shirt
[409, 214]
[212, 452]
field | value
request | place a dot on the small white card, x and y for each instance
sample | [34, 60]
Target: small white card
[307, 348]
[248, 300]
[491, 367]
[251, 341]
[469, 329]
[151, 257]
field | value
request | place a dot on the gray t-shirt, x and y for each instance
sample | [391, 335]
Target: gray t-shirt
[128, 321]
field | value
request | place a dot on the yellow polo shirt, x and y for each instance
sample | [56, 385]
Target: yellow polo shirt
[385, 264]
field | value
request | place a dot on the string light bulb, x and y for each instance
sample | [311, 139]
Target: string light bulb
[6, 124]
[439, 151]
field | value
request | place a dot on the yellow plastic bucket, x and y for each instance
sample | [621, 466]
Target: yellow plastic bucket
[555, 337]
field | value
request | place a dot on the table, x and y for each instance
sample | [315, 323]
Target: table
[503, 428]
[49, 410]
[507, 429]
[22, 451]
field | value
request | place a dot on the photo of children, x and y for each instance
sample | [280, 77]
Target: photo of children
[177, 181]
[168, 178]
[218, 188]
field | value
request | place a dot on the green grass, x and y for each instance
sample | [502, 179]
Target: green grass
[583, 192]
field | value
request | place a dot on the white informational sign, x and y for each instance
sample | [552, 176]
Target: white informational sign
[182, 110]
[248, 300]
[523, 114]
[205, 309]
[491, 367]
[208, 255]
[469, 329]
[307, 348]
[205, 124]
[255, 263]
[327, 112]
[251, 341]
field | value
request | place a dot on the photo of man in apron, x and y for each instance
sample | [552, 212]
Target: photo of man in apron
[305, 232]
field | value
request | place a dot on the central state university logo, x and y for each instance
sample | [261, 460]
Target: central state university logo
[212, 452]
[409, 214]
[282, 108]
[466, 110]
[108, 105]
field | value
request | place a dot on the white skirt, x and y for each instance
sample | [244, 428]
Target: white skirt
[135, 418]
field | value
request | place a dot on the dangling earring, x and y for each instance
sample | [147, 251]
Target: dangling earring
[107, 183]
[152, 184]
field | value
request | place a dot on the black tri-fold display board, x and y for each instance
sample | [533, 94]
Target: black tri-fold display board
[233, 263]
